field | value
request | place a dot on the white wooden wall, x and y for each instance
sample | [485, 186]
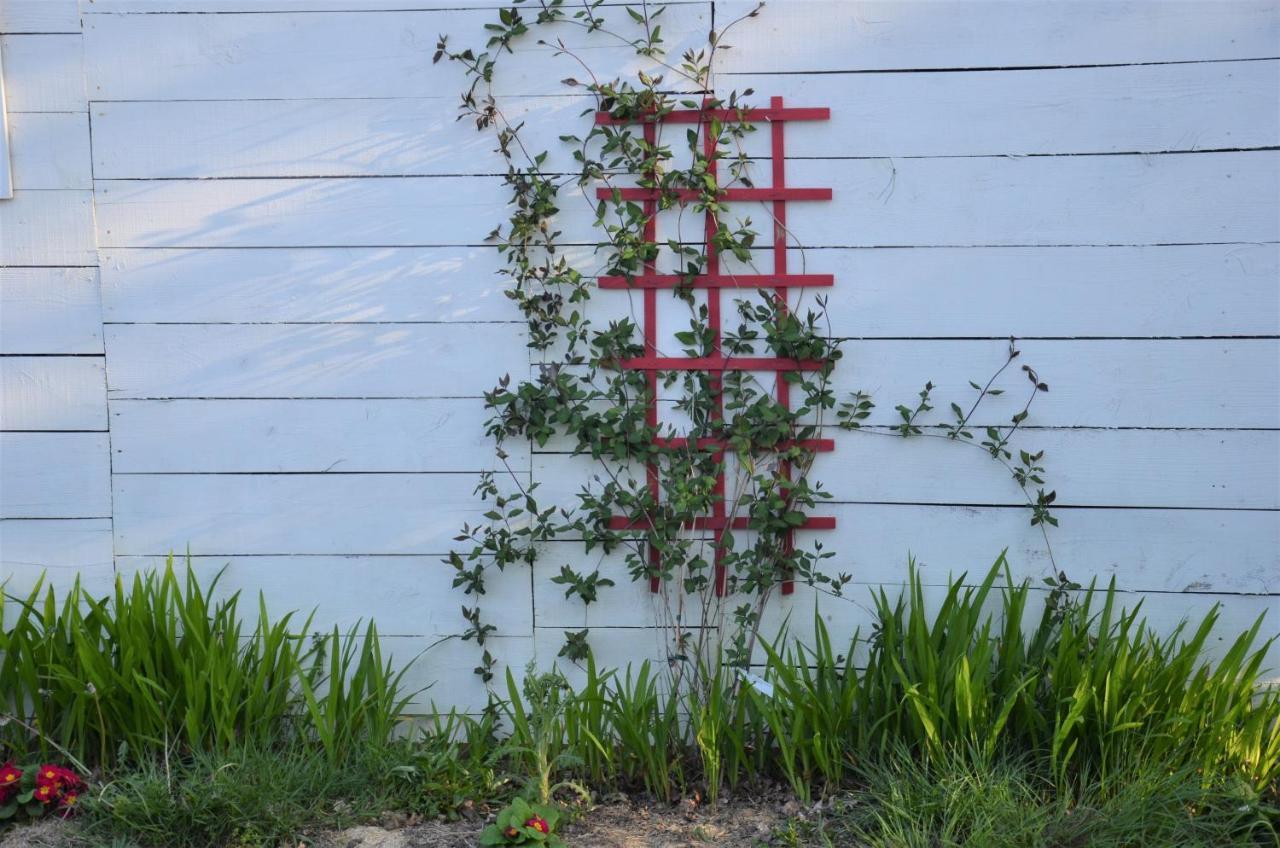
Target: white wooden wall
[246, 309]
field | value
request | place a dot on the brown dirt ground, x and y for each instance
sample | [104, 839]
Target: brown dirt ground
[616, 823]
[743, 822]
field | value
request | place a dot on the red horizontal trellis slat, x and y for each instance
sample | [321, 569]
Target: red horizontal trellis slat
[812, 522]
[700, 116]
[728, 194]
[719, 281]
[718, 363]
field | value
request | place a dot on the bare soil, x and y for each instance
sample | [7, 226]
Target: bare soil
[618, 823]
[743, 822]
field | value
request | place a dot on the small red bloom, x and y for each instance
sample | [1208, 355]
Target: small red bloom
[539, 824]
[67, 807]
[9, 777]
[47, 793]
[57, 777]
[511, 832]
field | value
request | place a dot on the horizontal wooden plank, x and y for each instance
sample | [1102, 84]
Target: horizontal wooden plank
[815, 35]
[330, 284]
[1172, 290]
[287, 213]
[53, 393]
[1088, 110]
[1056, 200]
[50, 310]
[44, 73]
[1150, 551]
[942, 202]
[345, 54]
[223, 515]
[1152, 383]
[55, 475]
[305, 435]
[47, 228]
[339, 360]
[29, 16]
[50, 150]
[404, 595]
[308, 138]
[1221, 469]
[1044, 291]
[1104, 383]
[1197, 469]
[1060, 111]
[58, 551]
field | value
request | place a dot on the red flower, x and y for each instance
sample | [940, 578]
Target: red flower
[539, 824]
[9, 777]
[68, 806]
[47, 793]
[57, 777]
[511, 832]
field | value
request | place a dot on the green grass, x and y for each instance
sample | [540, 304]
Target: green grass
[255, 797]
[966, 800]
[163, 664]
[248, 797]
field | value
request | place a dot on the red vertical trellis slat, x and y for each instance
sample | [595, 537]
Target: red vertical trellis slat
[712, 281]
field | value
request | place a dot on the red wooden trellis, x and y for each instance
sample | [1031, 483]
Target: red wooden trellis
[780, 281]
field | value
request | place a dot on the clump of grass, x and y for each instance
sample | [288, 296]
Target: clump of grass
[965, 799]
[1090, 688]
[248, 796]
[163, 664]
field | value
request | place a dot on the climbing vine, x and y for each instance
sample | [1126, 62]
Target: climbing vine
[727, 426]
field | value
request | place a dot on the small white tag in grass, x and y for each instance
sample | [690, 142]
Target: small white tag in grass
[757, 683]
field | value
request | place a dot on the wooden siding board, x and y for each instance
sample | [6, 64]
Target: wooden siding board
[50, 310]
[57, 551]
[53, 393]
[405, 595]
[305, 435]
[1086, 110]
[322, 54]
[51, 71]
[55, 475]
[323, 284]
[47, 228]
[1084, 200]
[1107, 383]
[1170, 290]
[225, 515]
[812, 35]
[39, 16]
[336, 360]
[1183, 469]
[50, 150]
